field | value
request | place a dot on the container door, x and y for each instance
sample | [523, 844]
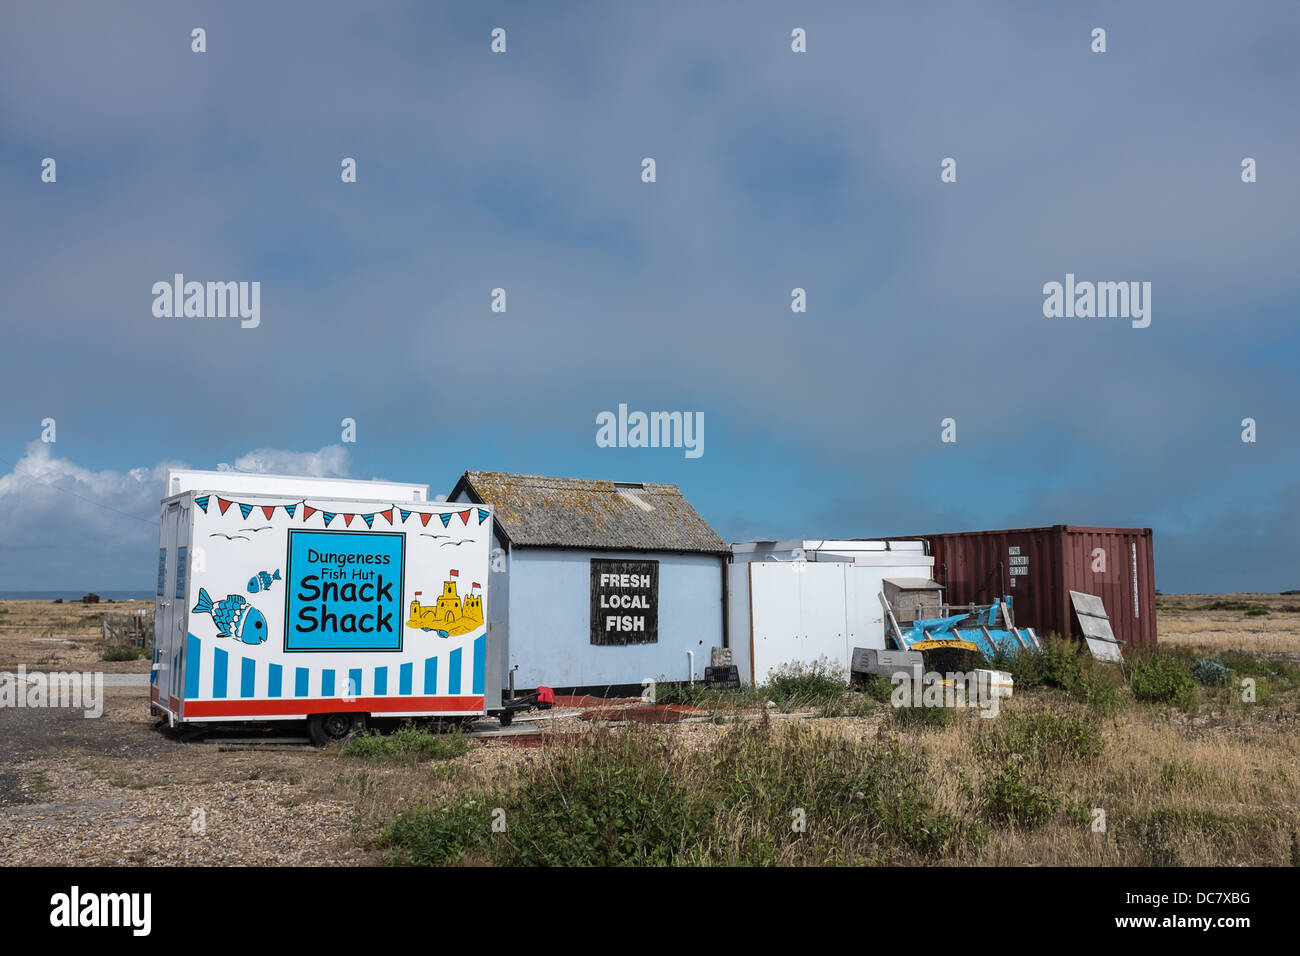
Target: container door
[776, 626]
[798, 615]
[865, 617]
[822, 614]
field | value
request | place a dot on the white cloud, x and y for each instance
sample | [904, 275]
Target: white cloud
[332, 461]
[66, 527]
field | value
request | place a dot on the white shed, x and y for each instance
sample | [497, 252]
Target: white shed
[801, 601]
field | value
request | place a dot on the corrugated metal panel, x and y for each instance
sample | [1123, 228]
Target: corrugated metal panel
[1039, 567]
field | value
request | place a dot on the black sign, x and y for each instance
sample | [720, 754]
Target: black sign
[624, 602]
[727, 676]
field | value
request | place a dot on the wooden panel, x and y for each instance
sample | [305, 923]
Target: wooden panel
[1096, 626]
[1088, 604]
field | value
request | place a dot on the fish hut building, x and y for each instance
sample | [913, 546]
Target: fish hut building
[600, 585]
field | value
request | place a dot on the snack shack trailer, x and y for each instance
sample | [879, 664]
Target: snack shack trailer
[330, 601]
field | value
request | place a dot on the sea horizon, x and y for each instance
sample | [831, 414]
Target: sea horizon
[107, 594]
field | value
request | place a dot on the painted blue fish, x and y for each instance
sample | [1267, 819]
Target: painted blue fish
[234, 617]
[261, 581]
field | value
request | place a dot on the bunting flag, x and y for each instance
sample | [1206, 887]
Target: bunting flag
[291, 510]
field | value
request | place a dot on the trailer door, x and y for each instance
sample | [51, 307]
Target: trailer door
[180, 601]
[169, 612]
[160, 674]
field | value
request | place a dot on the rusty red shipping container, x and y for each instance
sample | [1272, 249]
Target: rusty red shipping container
[1039, 567]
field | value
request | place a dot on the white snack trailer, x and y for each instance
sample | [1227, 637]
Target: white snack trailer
[333, 601]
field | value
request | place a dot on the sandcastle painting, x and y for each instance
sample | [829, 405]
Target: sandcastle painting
[451, 615]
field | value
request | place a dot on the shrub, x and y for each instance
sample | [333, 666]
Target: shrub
[1099, 687]
[1251, 665]
[408, 743]
[637, 797]
[1045, 738]
[1079, 813]
[610, 800]
[1058, 664]
[1210, 672]
[1160, 678]
[1233, 605]
[122, 652]
[797, 685]
[878, 688]
[431, 837]
[924, 718]
[1185, 774]
[1009, 798]
[1160, 835]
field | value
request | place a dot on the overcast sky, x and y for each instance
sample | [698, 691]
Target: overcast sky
[775, 170]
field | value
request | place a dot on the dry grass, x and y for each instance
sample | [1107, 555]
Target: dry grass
[1186, 620]
[42, 634]
[1211, 784]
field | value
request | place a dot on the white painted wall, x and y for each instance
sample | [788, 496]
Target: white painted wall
[783, 610]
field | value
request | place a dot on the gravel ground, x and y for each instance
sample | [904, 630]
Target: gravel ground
[120, 790]
[244, 822]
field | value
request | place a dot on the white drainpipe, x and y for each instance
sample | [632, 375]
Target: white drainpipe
[691, 655]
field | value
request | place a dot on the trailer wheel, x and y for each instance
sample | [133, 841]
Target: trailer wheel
[506, 718]
[331, 728]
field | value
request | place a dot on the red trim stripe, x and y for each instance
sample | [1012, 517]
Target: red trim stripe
[330, 705]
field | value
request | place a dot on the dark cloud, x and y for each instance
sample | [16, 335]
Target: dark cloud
[775, 171]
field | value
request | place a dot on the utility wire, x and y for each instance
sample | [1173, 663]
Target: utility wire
[97, 504]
